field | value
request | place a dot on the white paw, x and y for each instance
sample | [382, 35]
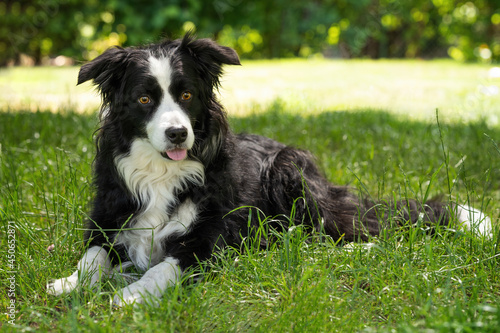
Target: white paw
[474, 220]
[64, 285]
[94, 264]
[152, 285]
[135, 293]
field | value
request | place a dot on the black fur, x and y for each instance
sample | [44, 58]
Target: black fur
[240, 170]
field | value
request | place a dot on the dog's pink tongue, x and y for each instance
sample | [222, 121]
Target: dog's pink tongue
[177, 154]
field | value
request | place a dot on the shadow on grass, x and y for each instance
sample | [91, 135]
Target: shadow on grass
[370, 144]
[376, 144]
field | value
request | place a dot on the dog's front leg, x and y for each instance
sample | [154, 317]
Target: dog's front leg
[94, 264]
[152, 284]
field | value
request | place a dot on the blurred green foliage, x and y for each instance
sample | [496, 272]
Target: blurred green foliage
[461, 29]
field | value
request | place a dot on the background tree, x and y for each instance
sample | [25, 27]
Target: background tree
[464, 30]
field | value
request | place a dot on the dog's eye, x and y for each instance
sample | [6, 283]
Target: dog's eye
[144, 100]
[186, 96]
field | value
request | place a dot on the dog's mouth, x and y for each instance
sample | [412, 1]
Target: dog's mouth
[177, 154]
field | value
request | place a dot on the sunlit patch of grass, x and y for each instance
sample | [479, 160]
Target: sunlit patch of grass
[45, 88]
[409, 88]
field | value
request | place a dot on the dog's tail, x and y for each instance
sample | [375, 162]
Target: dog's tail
[433, 213]
[338, 212]
[474, 220]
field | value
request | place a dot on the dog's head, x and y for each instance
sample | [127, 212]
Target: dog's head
[164, 93]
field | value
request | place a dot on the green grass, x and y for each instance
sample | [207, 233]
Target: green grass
[406, 282]
[411, 88]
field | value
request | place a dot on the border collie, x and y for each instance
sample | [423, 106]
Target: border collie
[170, 175]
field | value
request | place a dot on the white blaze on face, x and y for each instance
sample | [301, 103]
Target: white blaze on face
[168, 114]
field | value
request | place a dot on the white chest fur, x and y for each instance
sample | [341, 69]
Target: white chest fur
[154, 181]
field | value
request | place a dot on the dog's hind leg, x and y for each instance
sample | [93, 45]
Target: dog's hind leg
[292, 177]
[94, 264]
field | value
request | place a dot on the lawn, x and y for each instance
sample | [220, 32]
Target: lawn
[371, 125]
[411, 88]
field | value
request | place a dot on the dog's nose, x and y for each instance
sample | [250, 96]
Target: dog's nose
[176, 135]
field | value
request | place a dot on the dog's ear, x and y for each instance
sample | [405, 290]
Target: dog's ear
[207, 49]
[105, 69]
[210, 56]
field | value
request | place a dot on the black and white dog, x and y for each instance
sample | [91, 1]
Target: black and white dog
[169, 173]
